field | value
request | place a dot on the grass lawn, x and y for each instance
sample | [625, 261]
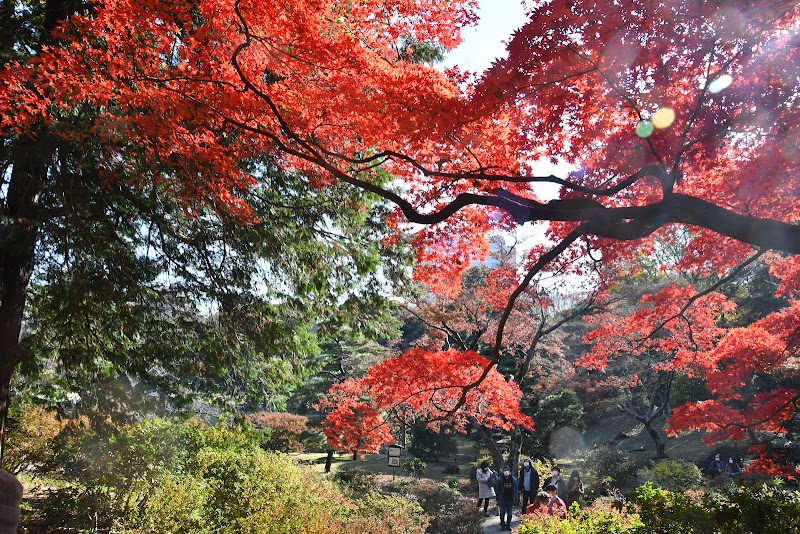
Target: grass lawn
[467, 453]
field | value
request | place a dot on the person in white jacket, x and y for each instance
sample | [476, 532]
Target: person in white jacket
[485, 488]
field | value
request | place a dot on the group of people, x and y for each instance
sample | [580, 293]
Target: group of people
[555, 497]
[718, 467]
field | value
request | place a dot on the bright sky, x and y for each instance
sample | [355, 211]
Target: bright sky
[486, 42]
[481, 46]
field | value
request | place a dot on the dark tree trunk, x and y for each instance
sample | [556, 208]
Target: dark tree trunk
[656, 437]
[488, 440]
[514, 449]
[328, 461]
[18, 234]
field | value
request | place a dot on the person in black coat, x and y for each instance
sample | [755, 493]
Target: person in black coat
[560, 484]
[528, 482]
[506, 490]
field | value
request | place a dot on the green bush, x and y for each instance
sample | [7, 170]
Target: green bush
[757, 508]
[674, 475]
[387, 515]
[284, 430]
[414, 467]
[429, 445]
[30, 442]
[356, 481]
[600, 518]
[160, 476]
[230, 491]
[450, 512]
[452, 483]
[741, 510]
[665, 511]
[607, 469]
[744, 510]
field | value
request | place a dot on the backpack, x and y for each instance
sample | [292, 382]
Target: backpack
[493, 479]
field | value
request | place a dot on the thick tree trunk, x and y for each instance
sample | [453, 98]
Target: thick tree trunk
[488, 440]
[18, 234]
[656, 437]
[515, 448]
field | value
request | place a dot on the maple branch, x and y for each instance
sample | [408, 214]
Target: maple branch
[621, 223]
[543, 261]
[725, 279]
[792, 400]
[541, 332]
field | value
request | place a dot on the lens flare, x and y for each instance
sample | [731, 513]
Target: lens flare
[720, 84]
[644, 129]
[663, 118]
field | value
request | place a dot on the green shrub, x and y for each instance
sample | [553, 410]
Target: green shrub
[429, 445]
[172, 505]
[414, 467]
[452, 483]
[600, 518]
[161, 476]
[356, 481]
[757, 508]
[285, 430]
[229, 491]
[674, 475]
[386, 515]
[450, 512]
[30, 442]
[665, 511]
[606, 469]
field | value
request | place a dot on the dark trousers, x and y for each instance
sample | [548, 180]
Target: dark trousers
[526, 500]
[506, 508]
[485, 504]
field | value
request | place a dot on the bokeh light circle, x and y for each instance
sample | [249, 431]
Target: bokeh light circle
[663, 118]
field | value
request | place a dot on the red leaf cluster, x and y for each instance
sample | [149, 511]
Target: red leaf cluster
[419, 387]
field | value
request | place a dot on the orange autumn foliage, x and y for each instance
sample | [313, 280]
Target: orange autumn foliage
[435, 388]
[677, 113]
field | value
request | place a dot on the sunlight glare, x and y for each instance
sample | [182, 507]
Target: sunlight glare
[663, 118]
[720, 84]
[644, 129]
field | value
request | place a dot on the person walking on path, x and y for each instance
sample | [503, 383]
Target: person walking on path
[556, 480]
[485, 478]
[574, 489]
[528, 483]
[507, 495]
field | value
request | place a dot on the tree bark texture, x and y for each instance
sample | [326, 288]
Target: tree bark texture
[18, 234]
[488, 440]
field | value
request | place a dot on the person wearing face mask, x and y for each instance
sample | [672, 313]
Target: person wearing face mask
[559, 483]
[733, 469]
[485, 488]
[528, 483]
[506, 490]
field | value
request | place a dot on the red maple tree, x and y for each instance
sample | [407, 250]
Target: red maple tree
[678, 113]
